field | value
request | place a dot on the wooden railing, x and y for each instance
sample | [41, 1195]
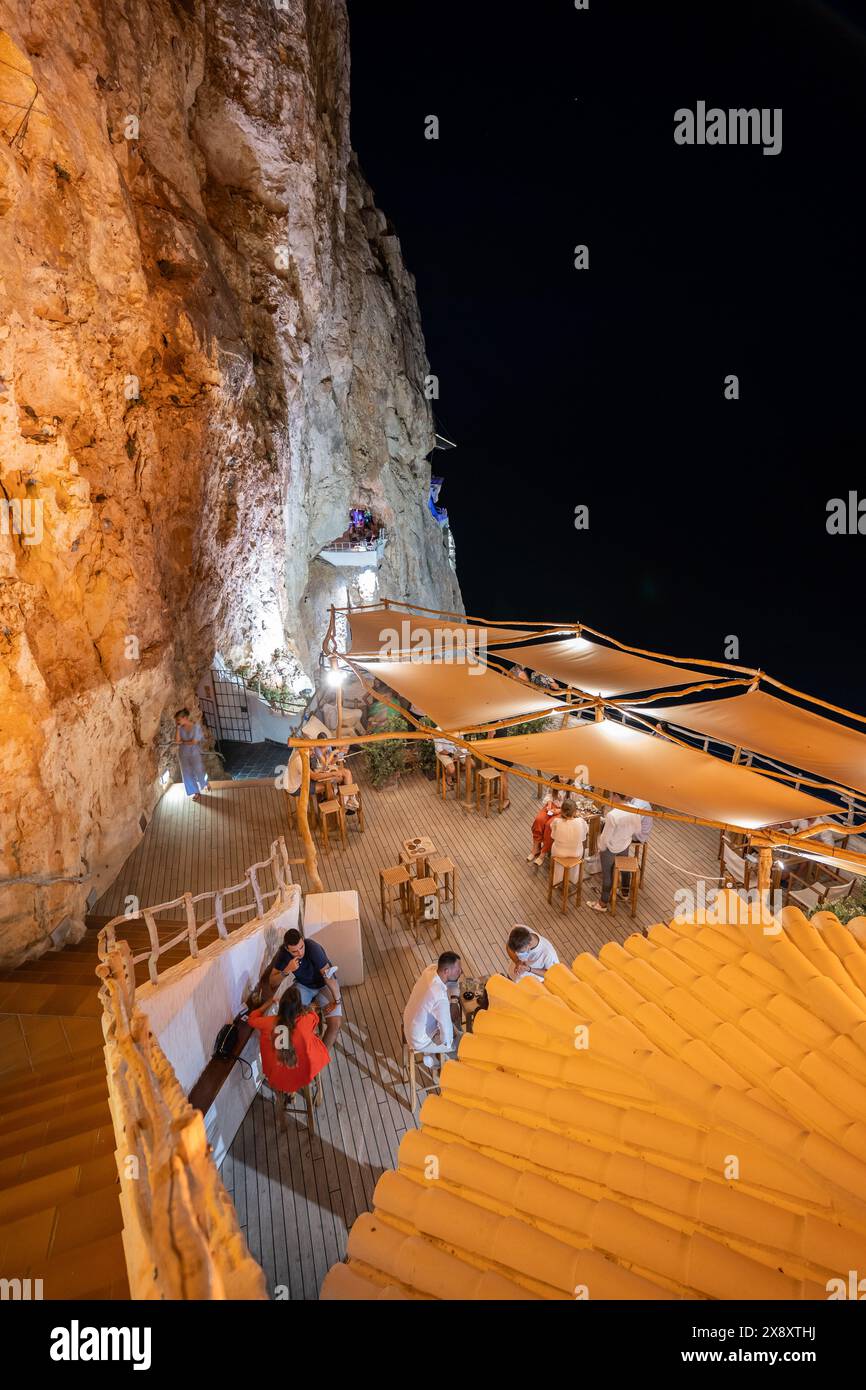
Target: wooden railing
[279, 864]
[181, 1236]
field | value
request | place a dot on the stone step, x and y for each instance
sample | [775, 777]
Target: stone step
[18, 996]
[62, 1072]
[91, 1268]
[58, 1188]
[25, 1106]
[93, 1271]
[54, 1158]
[60, 1125]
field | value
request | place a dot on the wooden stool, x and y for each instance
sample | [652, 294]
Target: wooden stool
[568, 864]
[442, 780]
[639, 849]
[309, 1102]
[390, 879]
[436, 865]
[352, 790]
[326, 810]
[593, 831]
[491, 781]
[409, 1069]
[419, 889]
[625, 864]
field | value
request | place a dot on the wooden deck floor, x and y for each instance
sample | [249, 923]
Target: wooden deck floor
[298, 1196]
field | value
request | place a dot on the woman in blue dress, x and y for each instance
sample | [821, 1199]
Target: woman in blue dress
[189, 741]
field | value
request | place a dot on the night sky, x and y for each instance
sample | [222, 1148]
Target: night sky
[605, 387]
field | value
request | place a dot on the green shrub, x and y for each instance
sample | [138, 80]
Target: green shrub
[384, 760]
[527, 726]
[426, 751]
[852, 906]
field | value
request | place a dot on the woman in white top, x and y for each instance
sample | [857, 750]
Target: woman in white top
[568, 836]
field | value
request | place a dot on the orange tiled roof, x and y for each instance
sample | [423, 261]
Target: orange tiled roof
[682, 1117]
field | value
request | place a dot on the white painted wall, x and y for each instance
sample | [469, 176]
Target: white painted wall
[190, 1003]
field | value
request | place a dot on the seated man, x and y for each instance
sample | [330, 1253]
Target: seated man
[306, 964]
[530, 954]
[449, 755]
[427, 1023]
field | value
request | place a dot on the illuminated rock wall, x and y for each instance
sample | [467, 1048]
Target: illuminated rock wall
[209, 349]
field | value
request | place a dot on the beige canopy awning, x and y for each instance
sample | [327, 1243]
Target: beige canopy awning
[637, 764]
[764, 724]
[598, 670]
[391, 631]
[457, 695]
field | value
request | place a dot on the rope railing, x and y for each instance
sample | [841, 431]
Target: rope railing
[278, 862]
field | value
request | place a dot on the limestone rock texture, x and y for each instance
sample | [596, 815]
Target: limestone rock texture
[210, 349]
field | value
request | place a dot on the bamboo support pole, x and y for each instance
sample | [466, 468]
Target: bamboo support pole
[307, 840]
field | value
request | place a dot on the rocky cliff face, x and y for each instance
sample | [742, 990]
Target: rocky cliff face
[209, 350]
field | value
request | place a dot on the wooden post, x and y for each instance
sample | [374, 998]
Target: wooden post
[765, 869]
[339, 710]
[765, 874]
[304, 824]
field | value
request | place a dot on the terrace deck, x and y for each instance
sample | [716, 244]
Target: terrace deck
[296, 1195]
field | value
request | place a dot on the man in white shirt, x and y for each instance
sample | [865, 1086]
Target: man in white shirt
[530, 954]
[646, 822]
[617, 832]
[427, 1023]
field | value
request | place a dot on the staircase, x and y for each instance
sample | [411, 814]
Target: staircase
[60, 1215]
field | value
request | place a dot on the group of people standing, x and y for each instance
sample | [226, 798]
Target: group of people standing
[559, 829]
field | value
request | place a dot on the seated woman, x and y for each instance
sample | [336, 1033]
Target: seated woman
[292, 1052]
[327, 771]
[568, 836]
[550, 808]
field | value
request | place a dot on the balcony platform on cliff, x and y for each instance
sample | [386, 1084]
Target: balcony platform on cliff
[360, 554]
[298, 1196]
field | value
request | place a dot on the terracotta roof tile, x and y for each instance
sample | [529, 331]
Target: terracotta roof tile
[683, 1116]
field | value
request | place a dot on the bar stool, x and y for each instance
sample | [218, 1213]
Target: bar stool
[438, 865]
[593, 823]
[442, 780]
[389, 881]
[310, 1102]
[327, 809]
[568, 863]
[419, 889]
[345, 793]
[491, 781]
[410, 1066]
[639, 849]
[625, 864]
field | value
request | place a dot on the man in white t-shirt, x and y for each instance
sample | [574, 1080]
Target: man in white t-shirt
[530, 954]
[617, 832]
[427, 1023]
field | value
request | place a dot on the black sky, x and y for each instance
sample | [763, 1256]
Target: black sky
[605, 387]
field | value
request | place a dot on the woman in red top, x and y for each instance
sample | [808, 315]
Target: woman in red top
[292, 1053]
[541, 826]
